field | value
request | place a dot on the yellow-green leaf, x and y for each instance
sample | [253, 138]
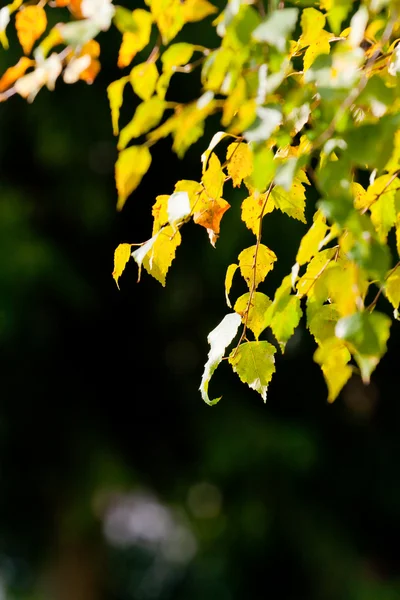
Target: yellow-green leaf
[254, 362]
[284, 314]
[169, 16]
[321, 320]
[121, 256]
[240, 162]
[177, 55]
[197, 10]
[309, 284]
[312, 23]
[144, 79]
[392, 288]
[333, 357]
[147, 115]
[320, 46]
[309, 245]
[253, 270]
[256, 318]
[293, 202]
[130, 167]
[231, 270]
[115, 93]
[136, 38]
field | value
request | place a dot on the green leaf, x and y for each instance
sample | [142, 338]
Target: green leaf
[366, 334]
[255, 271]
[264, 167]
[256, 319]
[321, 320]
[371, 145]
[147, 115]
[219, 339]
[255, 364]
[284, 314]
[277, 27]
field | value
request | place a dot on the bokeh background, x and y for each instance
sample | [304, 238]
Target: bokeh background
[116, 481]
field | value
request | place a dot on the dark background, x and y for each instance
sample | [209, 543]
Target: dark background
[116, 481]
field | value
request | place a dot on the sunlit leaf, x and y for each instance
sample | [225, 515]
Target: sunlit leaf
[209, 211]
[254, 315]
[254, 362]
[255, 263]
[15, 72]
[240, 162]
[136, 35]
[144, 79]
[277, 27]
[310, 242]
[293, 202]
[169, 16]
[115, 93]
[159, 259]
[30, 23]
[147, 115]
[333, 357]
[177, 55]
[284, 314]
[252, 207]
[130, 167]
[121, 256]
[178, 208]
[219, 339]
[392, 288]
[231, 270]
[213, 178]
[197, 10]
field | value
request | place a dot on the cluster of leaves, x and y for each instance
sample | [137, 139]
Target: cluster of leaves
[305, 91]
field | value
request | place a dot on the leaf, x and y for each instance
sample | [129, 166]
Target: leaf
[255, 364]
[192, 188]
[215, 140]
[30, 23]
[251, 210]
[15, 72]
[140, 254]
[4, 21]
[197, 10]
[144, 79]
[320, 46]
[333, 357]
[208, 212]
[383, 215]
[115, 93]
[130, 167]
[215, 68]
[321, 320]
[309, 284]
[256, 320]
[78, 33]
[256, 271]
[372, 144]
[293, 202]
[392, 288]
[284, 314]
[121, 256]
[312, 23]
[267, 120]
[160, 212]
[177, 55]
[366, 334]
[219, 339]
[214, 178]
[310, 242]
[178, 208]
[240, 162]
[169, 16]
[159, 259]
[231, 270]
[277, 27]
[147, 115]
[136, 37]
[264, 167]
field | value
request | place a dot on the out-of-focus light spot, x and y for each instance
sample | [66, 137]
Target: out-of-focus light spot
[205, 500]
[139, 519]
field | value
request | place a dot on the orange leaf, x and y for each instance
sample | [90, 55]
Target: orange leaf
[209, 212]
[62, 2]
[15, 72]
[75, 8]
[30, 23]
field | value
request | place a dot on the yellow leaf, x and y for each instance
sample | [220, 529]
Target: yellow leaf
[30, 23]
[216, 68]
[312, 23]
[293, 202]
[333, 357]
[197, 10]
[345, 286]
[208, 212]
[383, 216]
[192, 188]
[256, 320]
[234, 101]
[254, 272]
[144, 79]
[309, 284]
[231, 270]
[147, 115]
[121, 256]
[251, 210]
[169, 16]
[392, 288]
[320, 46]
[136, 40]
[214, 178]
[160, 212]
[162, 253]
[177, 55]
[115, 92]
[15, 72]
[361, 200]
[309, 245]
[130, 167]
[91, 48]
[321, 320]
[240, 162]
[54, 38]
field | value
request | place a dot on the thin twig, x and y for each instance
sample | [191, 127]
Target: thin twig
[384, 189]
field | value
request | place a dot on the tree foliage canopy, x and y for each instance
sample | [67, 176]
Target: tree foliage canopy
[307, 93]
